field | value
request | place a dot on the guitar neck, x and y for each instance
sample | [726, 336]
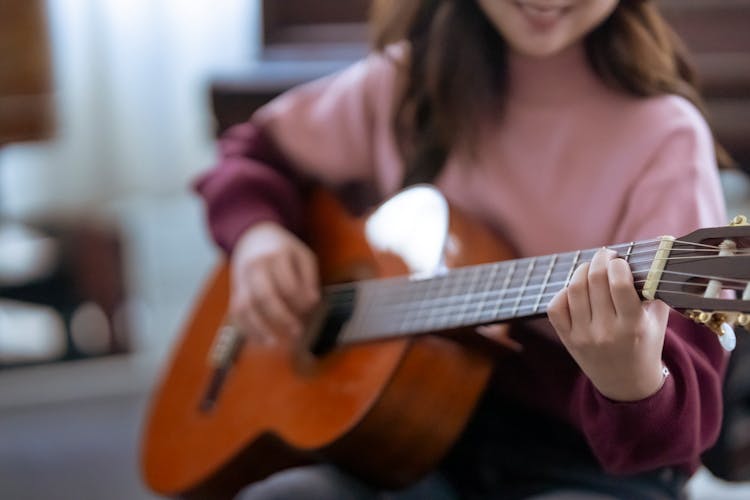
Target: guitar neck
[468, 296]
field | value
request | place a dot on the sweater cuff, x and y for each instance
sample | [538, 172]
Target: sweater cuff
[242, 193]
[629, 436]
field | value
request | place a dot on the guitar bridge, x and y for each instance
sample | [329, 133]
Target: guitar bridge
[220, 358]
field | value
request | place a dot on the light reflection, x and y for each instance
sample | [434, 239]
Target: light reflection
[413, 225]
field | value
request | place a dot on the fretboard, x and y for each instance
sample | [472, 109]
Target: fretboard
[467, 296]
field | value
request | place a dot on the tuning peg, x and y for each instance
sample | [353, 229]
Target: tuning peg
[727, 339]
[739, 220]
[721, 324]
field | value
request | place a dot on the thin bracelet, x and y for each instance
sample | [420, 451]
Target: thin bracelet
[664, 375]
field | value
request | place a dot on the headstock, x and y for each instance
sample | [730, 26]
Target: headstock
[707, 276]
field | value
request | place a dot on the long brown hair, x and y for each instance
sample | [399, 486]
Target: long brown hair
[457, 70]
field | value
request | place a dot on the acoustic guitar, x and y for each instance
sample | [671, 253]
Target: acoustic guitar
[391, 368]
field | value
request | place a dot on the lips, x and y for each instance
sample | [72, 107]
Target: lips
[541, 14]
[543, 5]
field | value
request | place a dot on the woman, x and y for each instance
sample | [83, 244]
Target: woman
[561, 124]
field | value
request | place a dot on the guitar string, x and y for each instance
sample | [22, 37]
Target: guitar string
[427, 306]
[706, 276]
[520, 302]
[446, 317]
[408, 321]
[705, 248]
[528, 288]
[497, 310]
[531, 299]
[493, 305]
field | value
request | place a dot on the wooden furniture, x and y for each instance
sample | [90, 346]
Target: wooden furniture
[322, 30]
[301, 40]
[718, 35]
[25, 72]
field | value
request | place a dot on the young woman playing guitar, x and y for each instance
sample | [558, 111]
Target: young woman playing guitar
[560, 124]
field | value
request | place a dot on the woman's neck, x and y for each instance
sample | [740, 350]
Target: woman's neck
[551, 81]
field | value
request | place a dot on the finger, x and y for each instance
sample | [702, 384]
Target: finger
[259, 328]
[268, 302]
[598, 283]
[658, 310]
[249, 322]
[558, 312]
[289, 284]
[307, 268]
[578, 296]
[626, 301]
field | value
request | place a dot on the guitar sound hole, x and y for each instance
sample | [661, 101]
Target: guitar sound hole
[339, 306]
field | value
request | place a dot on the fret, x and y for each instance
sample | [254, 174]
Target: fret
[485, 293]
[418, 310]
[415, 305]
[471, 294]
[629, 252]
[448, 296]
[492, 292]
[532, 262]
[445, 311]
[431, 322]
[397, 308]
[435, 312]
[552, 263]
[419, 304]
[576, 259]
[504, 289]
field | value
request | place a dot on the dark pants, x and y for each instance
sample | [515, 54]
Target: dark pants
[326, 482]
[506, 453]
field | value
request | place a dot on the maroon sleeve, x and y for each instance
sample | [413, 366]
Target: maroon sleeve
[251, 183]
[673, 426]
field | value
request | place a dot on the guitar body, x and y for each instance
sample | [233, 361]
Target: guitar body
[387, 410]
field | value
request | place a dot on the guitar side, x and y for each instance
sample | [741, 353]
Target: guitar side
[387, 411]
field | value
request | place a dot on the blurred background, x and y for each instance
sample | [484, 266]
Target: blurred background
[108, 110]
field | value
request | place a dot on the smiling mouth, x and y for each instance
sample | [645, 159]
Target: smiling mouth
[542, 14]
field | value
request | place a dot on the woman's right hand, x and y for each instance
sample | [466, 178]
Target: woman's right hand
[275, 283]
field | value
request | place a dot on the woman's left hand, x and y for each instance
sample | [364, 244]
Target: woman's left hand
[614, 337]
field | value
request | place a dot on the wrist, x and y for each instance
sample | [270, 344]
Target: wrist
[636, 388]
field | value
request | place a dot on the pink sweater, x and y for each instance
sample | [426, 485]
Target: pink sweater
[573, 164]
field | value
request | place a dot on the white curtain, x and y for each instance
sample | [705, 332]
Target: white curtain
[132, 79]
